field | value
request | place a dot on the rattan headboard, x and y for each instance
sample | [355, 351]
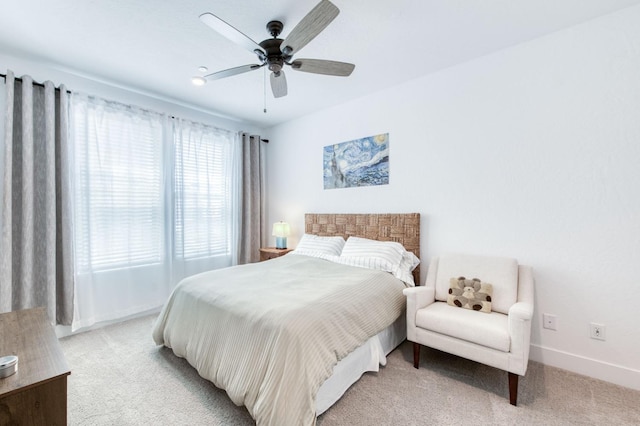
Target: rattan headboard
[403, 228]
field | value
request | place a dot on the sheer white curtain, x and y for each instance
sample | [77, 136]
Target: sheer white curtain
[206, 175]
[152, 198]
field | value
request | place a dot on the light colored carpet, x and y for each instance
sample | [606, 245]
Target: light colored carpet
[120, 377]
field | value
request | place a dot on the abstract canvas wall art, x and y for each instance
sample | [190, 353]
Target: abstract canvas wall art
[360, 162]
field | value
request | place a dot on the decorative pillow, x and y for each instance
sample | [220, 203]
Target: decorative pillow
[319, 246]
[470, 294]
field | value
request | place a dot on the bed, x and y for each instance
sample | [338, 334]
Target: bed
[287, 337]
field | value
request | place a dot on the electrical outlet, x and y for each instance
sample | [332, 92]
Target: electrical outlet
[598, 331]
[549, 322]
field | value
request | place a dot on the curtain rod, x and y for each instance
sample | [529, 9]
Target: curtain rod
[35, 83]
[4, 76]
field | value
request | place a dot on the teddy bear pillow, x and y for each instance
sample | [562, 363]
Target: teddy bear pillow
[470, 294]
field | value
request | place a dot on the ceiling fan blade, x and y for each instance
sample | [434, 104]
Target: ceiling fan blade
[309, 27]
[230, 32]
[232, 71]
[278, 84]
[320, 66]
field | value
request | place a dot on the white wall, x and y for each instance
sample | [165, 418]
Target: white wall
[531, 152]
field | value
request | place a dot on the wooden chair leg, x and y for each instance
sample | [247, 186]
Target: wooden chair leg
[513, 388]
[416, 354]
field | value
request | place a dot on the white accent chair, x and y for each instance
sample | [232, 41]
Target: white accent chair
[499, 339]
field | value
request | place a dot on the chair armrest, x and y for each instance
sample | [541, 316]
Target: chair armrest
[520, 319]
[419, 297]
[521, 311]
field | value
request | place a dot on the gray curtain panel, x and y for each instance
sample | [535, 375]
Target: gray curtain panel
[252, 205]
[36, 246]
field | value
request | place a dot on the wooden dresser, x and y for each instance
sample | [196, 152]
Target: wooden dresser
[37, 393]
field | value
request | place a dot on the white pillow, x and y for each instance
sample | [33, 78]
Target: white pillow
[318, 246]
[409, 262]
[364, 262]
[388, 252]
[386, 256]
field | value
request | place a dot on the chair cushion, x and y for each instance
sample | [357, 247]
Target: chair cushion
[501, 272]
[490, 330]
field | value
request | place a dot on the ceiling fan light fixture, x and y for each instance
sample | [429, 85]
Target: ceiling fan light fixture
[275, 66]
[198, 81]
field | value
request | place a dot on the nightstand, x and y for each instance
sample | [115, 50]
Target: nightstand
[267, 253]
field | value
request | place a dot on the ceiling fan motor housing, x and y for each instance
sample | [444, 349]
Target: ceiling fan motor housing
[275, 57]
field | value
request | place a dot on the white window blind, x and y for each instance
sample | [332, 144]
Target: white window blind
[118, 185]
[202, 189]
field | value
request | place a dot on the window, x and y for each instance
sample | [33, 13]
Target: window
[153, 203]
[119, 185]
[123, 218]
[203, 190]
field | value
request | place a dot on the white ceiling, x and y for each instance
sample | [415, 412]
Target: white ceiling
[156, 46]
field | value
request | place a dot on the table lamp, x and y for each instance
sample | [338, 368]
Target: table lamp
[281, 232]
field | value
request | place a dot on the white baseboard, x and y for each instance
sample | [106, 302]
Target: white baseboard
[612, 373]
[65, 330]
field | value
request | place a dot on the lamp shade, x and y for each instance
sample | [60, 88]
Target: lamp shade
[281, 232]
[281, 229]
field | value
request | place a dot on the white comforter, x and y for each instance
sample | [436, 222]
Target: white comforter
[270, 333]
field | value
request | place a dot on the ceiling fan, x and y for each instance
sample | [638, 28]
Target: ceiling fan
[275, 53]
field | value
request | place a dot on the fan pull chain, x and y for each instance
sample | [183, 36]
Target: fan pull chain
[264, 86]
